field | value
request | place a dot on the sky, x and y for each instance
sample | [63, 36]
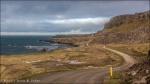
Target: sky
[62, 17]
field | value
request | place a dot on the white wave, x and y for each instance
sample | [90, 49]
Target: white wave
[31, 47]
[41, 48]
[55, 44]
[11, 45]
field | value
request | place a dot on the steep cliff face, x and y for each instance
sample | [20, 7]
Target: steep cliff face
[128, 18]
[125, 29]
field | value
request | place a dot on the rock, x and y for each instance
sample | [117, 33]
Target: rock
[139, 72]
[122, 19]
[125, 29]
[44, 49]
[133, 73]
[147, 71]
[141, 81]
[148, 52]
[59, 64]
[75, 62]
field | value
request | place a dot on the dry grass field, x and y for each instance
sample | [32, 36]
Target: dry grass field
[139, 51]
[84, 57]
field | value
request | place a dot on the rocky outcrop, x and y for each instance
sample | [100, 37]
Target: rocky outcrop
[139, 73]
[125, 29]
[123, 19]
[138, 35]
[69, 39]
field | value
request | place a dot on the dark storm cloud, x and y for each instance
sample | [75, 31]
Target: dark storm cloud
[46, 8]
[63, 16]
[31, 9]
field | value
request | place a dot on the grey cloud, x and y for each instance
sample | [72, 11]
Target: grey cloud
[33, 9]
[74, 9]
[109, 8]
[46, 8]
[29, 16]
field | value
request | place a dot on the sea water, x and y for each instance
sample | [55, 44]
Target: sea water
[26, 44]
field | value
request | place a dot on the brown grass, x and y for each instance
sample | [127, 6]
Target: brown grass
[139, 51]
[128, 26]
[95, 55]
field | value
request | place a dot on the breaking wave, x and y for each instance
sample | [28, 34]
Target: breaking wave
[41, 48]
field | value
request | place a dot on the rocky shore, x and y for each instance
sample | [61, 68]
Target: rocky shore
[73, 40]
[59, 42]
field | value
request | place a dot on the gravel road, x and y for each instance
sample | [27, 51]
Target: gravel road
[90, 76]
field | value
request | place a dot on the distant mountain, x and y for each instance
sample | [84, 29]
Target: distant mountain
[129, 28]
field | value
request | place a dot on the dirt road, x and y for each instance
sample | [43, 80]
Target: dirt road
[91, 76]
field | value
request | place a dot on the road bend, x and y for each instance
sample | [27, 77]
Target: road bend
[86, 76]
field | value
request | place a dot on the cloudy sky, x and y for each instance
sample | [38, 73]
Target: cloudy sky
[62, 17]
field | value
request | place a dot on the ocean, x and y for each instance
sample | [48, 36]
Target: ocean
[27, 44]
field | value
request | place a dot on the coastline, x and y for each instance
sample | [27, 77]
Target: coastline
[59, 59]
[52, 41]
[27, 44]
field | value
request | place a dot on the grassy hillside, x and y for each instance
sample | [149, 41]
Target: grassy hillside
[139, 51]
[134, 32]
[130, 28]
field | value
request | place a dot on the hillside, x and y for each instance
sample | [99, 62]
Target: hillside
[129, 28]
[139, 72]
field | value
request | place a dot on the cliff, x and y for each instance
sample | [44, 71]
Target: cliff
[128, 18]
[130, 28]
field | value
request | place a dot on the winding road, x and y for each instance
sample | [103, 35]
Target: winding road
[90, 76]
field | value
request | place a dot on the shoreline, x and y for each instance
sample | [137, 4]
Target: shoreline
[45, 49]
[35, 52]
[51, 41]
